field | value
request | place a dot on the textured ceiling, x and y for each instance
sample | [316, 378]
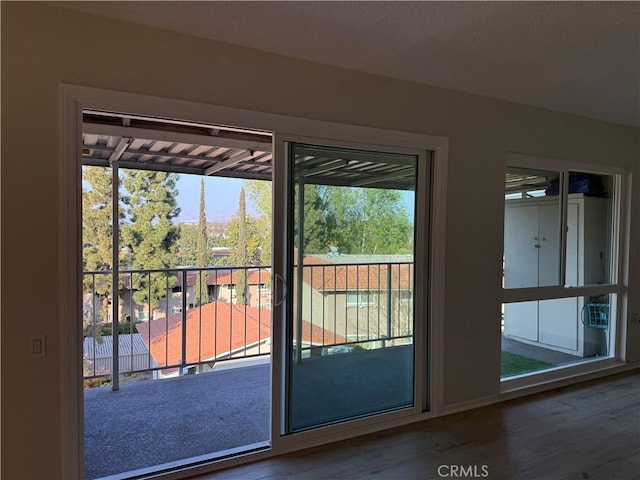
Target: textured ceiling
[576, 57]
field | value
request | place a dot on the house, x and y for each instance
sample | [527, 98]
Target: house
[257, 281]
[98, 354]
[220, 286]
[368, 296]
[218, 331]
[557, 81]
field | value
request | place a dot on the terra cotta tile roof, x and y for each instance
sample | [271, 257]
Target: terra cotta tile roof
[215, 329]
[359, 277]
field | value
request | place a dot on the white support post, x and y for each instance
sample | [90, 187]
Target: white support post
[115, 268]
[115, 271]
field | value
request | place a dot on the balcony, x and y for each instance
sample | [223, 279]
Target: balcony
[150, 423]
[193, 370]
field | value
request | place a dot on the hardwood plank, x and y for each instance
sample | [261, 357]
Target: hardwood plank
[585, 431]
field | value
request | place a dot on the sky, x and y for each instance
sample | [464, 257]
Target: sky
[221, 198]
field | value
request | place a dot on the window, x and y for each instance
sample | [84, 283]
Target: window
[360, 299]
[559, 273]
[405, 297]
[410, 390]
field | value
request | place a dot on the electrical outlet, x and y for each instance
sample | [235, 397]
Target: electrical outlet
[38, 346]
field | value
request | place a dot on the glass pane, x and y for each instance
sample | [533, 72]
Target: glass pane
[531, 228]
[194, 323]
[546, 334]
[351, 345]
[591, 229]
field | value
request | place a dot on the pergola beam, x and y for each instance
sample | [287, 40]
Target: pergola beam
[230, 162]
[406, 175]
[256, 144]
[119, 150]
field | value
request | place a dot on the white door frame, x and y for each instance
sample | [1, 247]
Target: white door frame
[73, 99]
[281, 180]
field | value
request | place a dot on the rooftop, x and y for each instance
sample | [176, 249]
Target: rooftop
[215, 331]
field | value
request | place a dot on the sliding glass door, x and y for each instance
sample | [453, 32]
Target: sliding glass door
[350, 336]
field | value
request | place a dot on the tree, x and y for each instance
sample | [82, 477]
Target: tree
[149, 231]
[259, 192]
[97, 234]
[253, 238]
[203, 254]
[240, 256]
[367, 220]
[383, 225]
[187, 244]
[316, 221]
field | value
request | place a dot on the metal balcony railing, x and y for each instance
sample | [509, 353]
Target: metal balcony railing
[172, 322]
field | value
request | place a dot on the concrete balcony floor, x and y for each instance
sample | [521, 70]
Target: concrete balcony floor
[151, 422]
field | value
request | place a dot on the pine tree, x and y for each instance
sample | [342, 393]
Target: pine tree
[149, 232]
[241, 258]
[97, 234]
[316, 234]
[203, 254]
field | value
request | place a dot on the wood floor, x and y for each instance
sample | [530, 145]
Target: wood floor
[586, 431]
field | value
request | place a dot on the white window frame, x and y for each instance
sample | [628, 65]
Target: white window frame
[73, 99]
[618, 255]
[360, 298]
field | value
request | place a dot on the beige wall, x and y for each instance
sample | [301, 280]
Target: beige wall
[226, 294]
[43, 46]
[329, 310]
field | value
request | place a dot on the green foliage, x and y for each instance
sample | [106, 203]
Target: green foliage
[97, 228]
[150, 232]
[253, 238]
[369, 221]
[355, 220]
[240, 256]
[187, 244]
[102, 329]
[317, 221]
[97, 232]
[381, 224]
[203, 254]
[259, 192]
